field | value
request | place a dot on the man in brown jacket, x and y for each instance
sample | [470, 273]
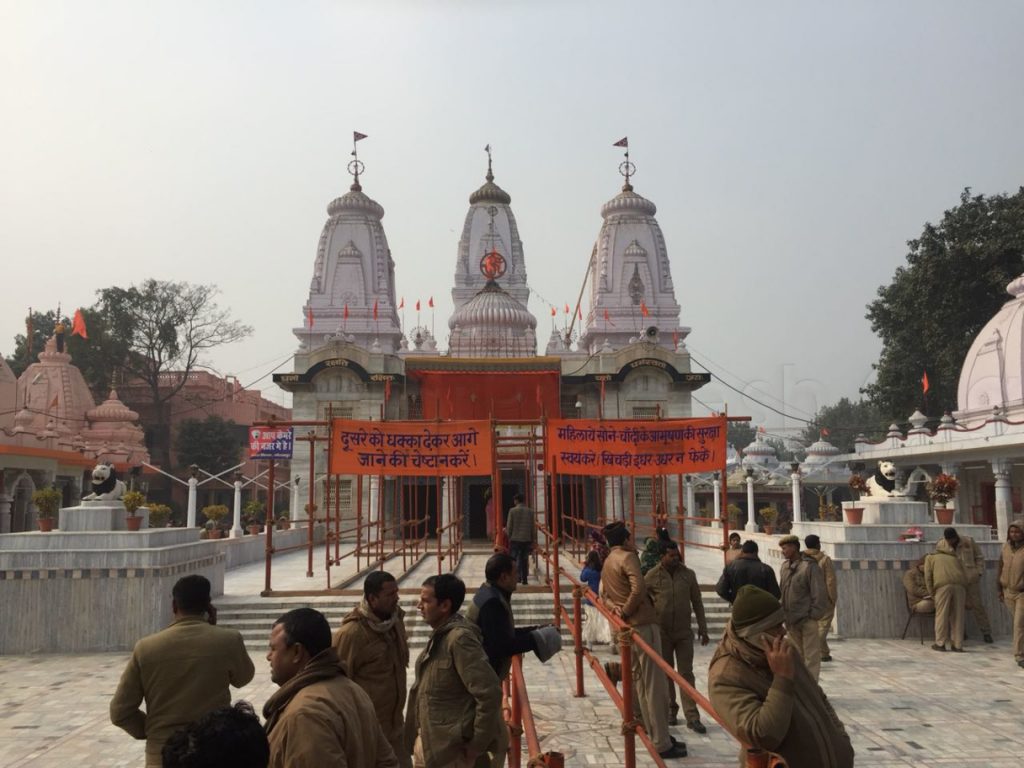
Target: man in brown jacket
[624, 591]
[812, 548]
[918, 596]
[973, 561]
[318, 716]
[1011, 584]
[946, 581]
[804, 600]
[676, 595]
[765, 694]
[182, 672]
[454, 714]
[373, 645]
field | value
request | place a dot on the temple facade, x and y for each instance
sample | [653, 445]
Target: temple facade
[626, 359]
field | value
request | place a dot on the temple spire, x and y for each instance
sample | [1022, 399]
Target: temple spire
[490, 172]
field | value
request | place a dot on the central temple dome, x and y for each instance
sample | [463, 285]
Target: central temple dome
[493, 324]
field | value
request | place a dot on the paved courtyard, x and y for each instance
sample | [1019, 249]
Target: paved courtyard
[903, 704]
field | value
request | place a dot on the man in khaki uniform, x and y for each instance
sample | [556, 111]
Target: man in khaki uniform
[676, 595]
[804, 601]
[182, 672]
[973, 561]
[373, 645]
[946, 581]
[918, 596]
[812, 547]
[624, 591]
[1011, 584]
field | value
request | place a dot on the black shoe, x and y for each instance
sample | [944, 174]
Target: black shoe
[987, 638]
[673, 719]
[1020, 663]
[937, 647]
[826, 658]
[678, 749]
[958, 650]
[696, 726]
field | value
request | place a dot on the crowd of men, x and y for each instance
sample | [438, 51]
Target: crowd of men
[342, 697]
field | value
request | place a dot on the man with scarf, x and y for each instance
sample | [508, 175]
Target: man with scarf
[764, 694]
[318, 716]
[373, 645]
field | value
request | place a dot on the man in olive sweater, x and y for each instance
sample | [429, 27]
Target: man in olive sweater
[182, 672]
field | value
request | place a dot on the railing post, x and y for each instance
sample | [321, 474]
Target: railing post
[236, 527]
[628, 716]
[577, 636]
[517, 723]
[193, 483]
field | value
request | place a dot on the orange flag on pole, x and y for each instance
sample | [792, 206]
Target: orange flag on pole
[608, 319]
[554, 311]
[924, 383]
[401, 304]
[430, 302]
[78, 325]
[344, 313]
[643, 309]
[417, 305]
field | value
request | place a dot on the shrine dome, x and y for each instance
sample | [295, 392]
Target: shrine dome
[993, 370]
[493, 324]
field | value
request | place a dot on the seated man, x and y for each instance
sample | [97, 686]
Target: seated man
[917, 592]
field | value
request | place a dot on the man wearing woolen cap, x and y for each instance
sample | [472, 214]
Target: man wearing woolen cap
[804, 601]
[765, 694]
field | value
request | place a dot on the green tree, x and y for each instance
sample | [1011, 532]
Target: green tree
[844, 420]
[212, 443]
[167, 327]
[952, 284]
[740, 434]
[42, 324]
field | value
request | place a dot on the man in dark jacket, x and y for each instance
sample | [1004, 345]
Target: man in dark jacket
[521, 530]
[746, 569]
[491, 610]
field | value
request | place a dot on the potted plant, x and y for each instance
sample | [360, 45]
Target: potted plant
[735, 514]
[132, 500]
[858, 485]
[47, 501]
[941, 490]
[254, 515]
[768, 517]
[214, 514]
[283, 521]
[159, 514]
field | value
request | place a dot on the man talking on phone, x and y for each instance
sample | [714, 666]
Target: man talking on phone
[181, 672]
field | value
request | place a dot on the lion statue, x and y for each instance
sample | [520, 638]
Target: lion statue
[882, 484]
[105, 485]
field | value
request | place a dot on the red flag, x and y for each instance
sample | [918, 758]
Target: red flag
[824, 432]
[644, 310]
[345, 313]
[623, 142]
[430, 302]
[401, 304]
[78, 325]
[356, 136]
[924, 383]
[675, 340]
[309, 316]
[554, 311]
[417, 305]
[608, 319]
[567, 309]
[374, 309]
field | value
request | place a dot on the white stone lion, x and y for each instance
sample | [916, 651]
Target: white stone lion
[882, 484]
[105, 485]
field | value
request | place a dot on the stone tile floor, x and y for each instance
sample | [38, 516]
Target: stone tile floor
[903, 705]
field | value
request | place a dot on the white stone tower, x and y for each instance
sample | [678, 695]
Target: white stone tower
[353, 274]
[481, 236]
[630, 284]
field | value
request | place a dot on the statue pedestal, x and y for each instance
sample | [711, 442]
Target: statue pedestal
[892, 511]
[102, 515]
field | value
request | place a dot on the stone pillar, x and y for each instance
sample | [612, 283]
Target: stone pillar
[236, 526]
[795, 480]
[1004, 496]
[373, 507]
[193, 483]
[296, 500]
[691, 496]
[751, 514]
[716, 485]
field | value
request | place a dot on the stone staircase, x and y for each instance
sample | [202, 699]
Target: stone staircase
[254, 617]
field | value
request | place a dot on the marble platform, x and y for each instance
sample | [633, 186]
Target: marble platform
[101, 515]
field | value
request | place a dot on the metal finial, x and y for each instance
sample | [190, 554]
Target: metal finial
[490, 173]
[355, 165]
[626, 168]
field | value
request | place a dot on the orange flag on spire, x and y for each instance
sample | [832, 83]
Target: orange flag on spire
[567, 309]
[924, 383]
[430, 302]
[608, 319]
[417, 305]
[554, 311]
[344, 313]
[401, 304]
[643, 309]
[78, 325]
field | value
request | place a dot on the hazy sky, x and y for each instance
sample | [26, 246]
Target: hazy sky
[791, 148]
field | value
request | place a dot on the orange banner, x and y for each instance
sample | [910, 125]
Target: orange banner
[666, 447]
[411, 447]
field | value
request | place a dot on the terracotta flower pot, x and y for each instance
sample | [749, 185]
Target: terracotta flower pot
[133, 522]
[944, 515]
[215, 533]
[768, 528]
[254, 529]
[45, 524]
[854, 515]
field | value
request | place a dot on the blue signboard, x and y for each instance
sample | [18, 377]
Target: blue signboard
[267, 443]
